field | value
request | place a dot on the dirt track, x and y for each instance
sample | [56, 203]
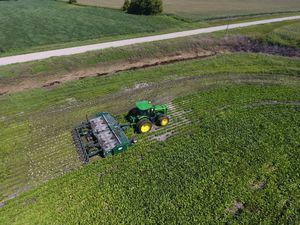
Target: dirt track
[210, 47]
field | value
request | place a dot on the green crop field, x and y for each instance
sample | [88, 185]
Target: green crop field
[229, 156]
[27, 24]
[212, 9]
[234, 140]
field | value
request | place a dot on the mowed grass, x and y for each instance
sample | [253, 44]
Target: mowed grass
[241, 147]
[27, 24]
[212, 9]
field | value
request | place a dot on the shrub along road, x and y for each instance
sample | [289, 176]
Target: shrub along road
[87, 48]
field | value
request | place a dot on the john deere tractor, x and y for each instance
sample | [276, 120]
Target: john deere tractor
[103, 135]
[144, 115]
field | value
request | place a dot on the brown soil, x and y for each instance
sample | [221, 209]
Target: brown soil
[163, 137]
[54, 83]
[259, 185]
[236, 209]
[243, 44]
[212, 47]
[30, 83]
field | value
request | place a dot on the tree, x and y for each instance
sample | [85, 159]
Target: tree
[145, 7]
[126, 5]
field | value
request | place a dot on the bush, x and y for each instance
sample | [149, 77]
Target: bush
[126, 5]
[72, 1]
[145, 7]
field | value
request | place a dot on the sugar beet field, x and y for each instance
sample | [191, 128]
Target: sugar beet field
[42, 138]
[229, 155]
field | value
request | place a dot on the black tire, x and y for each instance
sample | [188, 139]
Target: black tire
[140, 126]
[132, 113]
[161, 120]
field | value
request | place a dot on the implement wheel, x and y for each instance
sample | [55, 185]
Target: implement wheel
[144, 126]
[163, 121]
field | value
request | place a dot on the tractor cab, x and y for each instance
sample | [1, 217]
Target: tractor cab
[145, 108]
[144, 115]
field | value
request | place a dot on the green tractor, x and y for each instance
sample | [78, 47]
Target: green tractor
[103, 135]
[144, 115]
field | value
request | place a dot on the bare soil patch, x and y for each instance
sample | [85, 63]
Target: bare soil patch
[236, 208]
[51, 84]
[163, 137]
[137, 87]
[244, 44]
[14, 85]
[259, 185]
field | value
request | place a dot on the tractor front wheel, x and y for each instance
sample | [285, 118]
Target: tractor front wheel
[144, 126]
[163, 121]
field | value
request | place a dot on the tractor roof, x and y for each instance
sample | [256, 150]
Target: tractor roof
[143, 105]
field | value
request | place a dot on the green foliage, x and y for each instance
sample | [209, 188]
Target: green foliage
[35, 125]
[145, 7]
[126, 5]
[72, 1]
[238, 137]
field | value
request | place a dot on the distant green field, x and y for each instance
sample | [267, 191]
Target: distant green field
[212, 9]
[234, 141]
[30, 23]
[35, 25]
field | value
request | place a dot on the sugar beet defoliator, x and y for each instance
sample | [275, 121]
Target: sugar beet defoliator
[103, 135]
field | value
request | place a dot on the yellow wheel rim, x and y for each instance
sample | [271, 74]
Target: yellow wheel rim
[164, 122]
[145, 128]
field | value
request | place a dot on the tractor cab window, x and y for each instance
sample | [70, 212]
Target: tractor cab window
[144, 112]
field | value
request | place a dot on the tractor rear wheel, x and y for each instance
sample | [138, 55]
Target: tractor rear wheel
[144, 126]
[163, 121]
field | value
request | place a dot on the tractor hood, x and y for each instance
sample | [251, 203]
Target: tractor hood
[161, 108]
[143, 105]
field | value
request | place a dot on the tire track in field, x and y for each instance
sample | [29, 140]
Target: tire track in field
[178, 119]
[47, 154]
